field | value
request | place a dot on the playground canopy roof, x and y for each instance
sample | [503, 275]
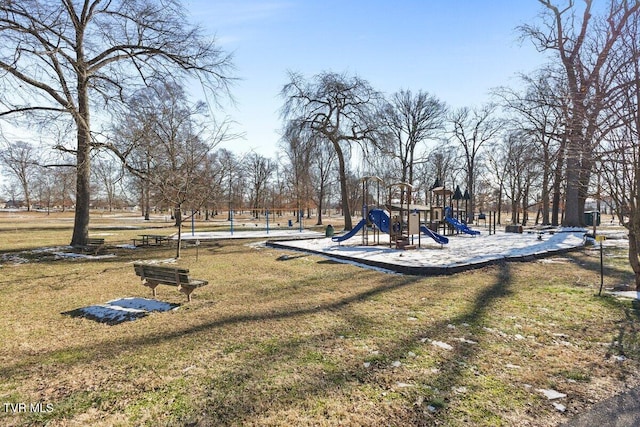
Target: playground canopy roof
[421, 208]
[442, 191]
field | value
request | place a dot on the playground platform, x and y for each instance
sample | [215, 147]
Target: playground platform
[460, 254]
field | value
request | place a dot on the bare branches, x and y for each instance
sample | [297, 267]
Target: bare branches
[336, 107]
[63, 56]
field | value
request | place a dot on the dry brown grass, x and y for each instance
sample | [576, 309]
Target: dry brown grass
[306, 341]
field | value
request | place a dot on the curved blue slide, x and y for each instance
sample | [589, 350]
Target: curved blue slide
[460, 226]
[376, 216]
[380, 219]
[351, 233]
[435, 236]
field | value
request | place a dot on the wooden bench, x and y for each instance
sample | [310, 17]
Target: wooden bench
[153, 275]
[94, 245]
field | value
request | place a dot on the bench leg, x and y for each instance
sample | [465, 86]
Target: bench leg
[153, 287]
[186, 289]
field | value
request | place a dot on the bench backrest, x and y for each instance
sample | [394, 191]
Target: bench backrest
[164, 274]
[95, 241]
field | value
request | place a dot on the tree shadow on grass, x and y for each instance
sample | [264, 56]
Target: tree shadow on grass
[231, 397]
[593, 264]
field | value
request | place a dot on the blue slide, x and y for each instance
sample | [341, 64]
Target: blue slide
[351, 233]
[380, 219]
[460, 226]
[435, 236]
[376, 216]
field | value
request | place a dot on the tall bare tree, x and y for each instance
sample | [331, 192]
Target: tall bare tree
[584, 43]
[298, 145]
[620, 155]
[540, 110]
[178, 146]
[322, 169]
[64, 58]
[20, 160]
[472, 129]
[409, 120]
[109, 174]
[259, 170]
[336, 107]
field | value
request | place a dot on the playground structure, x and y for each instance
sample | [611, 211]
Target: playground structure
[400, 219]
[404, 222]
[442, 214]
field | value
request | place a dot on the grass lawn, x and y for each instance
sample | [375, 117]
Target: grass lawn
[302, 340]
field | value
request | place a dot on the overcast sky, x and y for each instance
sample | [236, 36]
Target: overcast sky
[457, 50]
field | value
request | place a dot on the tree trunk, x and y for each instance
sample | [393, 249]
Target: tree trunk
[83, 171]
[634, 261]
[178, 212]
[344, 193]
[572, 197]
[499, 204]
[320, 204]
[546, 175]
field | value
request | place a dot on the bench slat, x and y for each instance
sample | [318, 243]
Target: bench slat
[153, 275]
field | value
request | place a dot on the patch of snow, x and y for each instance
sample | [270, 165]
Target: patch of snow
[626, 294]
[74, 255]
[551, 394]
[559, 407]
[142, 304]
[442, 345]
[466, 341]
[460, 251]
[253, 234]
[396, 364]
[127, 246]
[121, 310]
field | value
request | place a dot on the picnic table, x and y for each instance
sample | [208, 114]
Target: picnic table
[152, 239]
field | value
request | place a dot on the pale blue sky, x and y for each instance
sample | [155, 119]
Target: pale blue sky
[457, 50]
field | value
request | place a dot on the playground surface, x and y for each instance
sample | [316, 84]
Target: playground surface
[461, 253]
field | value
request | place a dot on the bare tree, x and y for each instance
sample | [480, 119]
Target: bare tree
[472, 129]
[259, 170]
[178, 149]
[20, 160]
[298, 144]
[65, 58]
[521, 170]
[409, 120]
[584, 43]
[232, 179]
[620, 155]
[540, 111]
[336, 107]
[322, 169]
[109, 174]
